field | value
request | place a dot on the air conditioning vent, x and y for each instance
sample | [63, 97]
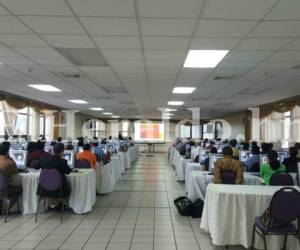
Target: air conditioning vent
[75, 75]
[228, 77]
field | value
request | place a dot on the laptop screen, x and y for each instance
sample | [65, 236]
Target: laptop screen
[70, 157]
[212, 159]
[20, 157]
[244, 155]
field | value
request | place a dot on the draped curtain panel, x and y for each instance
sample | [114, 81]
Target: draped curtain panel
[295, 124]
[272, 127]
[10, 115]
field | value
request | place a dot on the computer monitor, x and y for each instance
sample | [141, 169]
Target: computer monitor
[103, 147]
[220, 148]
[263, 159]
[203, 154]
[111, 147]
[20, 157]
[212, 159]
[49, 149]
[15, 146]
[70, 157]
[244, 155]
[282, 155]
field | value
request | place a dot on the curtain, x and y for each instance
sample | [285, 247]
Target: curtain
[248, 125]
[35, 123]
[272, 127]
[10, 115]
[295, 125]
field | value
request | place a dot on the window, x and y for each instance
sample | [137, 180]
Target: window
[185, 131]
[22, 122]
[42, 125]
[286, 129]
[2, 128]
[125, 128]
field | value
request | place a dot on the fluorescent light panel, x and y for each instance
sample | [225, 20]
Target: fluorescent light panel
[167, 114]
[204, 58]
[107, 113]
[96, 109]
[183, 90]
[78, 101]
[170, 110]
[115, 116]
[175, 103]
[45, 87]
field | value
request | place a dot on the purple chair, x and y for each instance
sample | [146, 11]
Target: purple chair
[9, 195]
[82, 163]
[281, 179]
[50, 180]
[283, 211]
[228, 177]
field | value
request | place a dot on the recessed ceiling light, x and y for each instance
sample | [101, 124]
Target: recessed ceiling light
[175, 103]
[115, 116]
[79, 101]
[45, 87]
[167, 114]
[204, 58]
[183, 90]
[170, 110]
[0, 63]
[107, 113]
[96, 109]
[166, 117]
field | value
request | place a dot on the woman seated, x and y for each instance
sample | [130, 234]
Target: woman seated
[37, 153]
[291, 163]
[273, 166]
[88, 155]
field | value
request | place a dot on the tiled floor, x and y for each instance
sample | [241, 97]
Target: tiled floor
[139, 215]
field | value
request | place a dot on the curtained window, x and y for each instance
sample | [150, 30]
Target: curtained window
[286, 129]
[125, 128]
[2, 127]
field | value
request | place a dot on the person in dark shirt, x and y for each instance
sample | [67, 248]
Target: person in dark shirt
[213, 150]
[291, 163]
[37, 154]
[57, 162]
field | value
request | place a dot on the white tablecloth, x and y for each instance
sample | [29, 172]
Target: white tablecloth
[175, 158]
[191, 166]
[121, 156]
[115, 165]
[229, 213]
[83, 190]
[180, 168]
[127, 160]
[134, 153]
[105, 178]
[199, 180]
[171, 154]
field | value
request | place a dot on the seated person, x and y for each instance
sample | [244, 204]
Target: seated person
[87, 155]
[297, 146]
[265, 148]
[56, 161]
[246, 146]
[227, 163]
[37, 153]
[213, 150]
[69, 146]
[9, 168]
[253, 159]
[59, 139]
[98, 152]
[80, 142]
[291, 163]
[273, 166]
[235, 151]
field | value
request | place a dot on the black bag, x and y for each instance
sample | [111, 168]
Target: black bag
[197, 208]
[184, 206]
[182, 150]
[196, 159]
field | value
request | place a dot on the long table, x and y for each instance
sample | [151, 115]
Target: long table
[229, 213]
[83, 190]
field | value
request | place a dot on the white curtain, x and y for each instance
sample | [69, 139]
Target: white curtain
[10, 116]
[295, 125]
[35, 124]
[272, 127]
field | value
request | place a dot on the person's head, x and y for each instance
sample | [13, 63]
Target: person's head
[31, 146]
[265, 147]
[59, 149]
[273, 159]
[4, 149]
[6, 144]
[233, 143]
[96, 144]
[95, 138]
[297, 145]
[227, 151]
[87, 147]
[271, 145]
[52, 143]
[212, 142]
[246, 146]
[110, 137]
[255, 150]
[213, 150]
[59, 139]
[293, 152]
[69, 147]
[6, 137]
[40, 146]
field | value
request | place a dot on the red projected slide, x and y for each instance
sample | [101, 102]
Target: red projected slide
[150, 131]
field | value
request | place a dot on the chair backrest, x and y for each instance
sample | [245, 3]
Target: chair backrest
[285, 205]
[281, 179]
[50, 179]
[3, 181]
[228, 177]
[34, 164]
[82, 163]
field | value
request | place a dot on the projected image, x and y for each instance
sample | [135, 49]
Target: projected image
[149, 132]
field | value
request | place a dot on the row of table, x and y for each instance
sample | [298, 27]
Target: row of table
[84, 184]
[229, 210]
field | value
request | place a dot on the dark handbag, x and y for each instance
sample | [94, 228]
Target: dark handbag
[184, 206]
[197, 208]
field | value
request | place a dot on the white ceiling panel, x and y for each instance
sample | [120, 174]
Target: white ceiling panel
[262, 43]
[3, 12]
[29, 40]
[286, 56]
[10, 24]
[285, 10]
[223, 28]
[277, 64]
[122, 54]
[165, 54]
[165, 43]
[37, 7]
[53, 25]
[281, 29]
[167, 27]
[54, 61]
[103, 8]
[237, 9]
[294, 45]
[38, 52]
[169, 8]
[236, 64]
[128, 63]
[248, 55]
[164, 63]
[69, 41]
[110, 26]
[4, 51]
[214, 43]
[16, 60]
[117, 42]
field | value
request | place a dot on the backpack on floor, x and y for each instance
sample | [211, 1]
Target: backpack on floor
[184, 206]
[197, 208]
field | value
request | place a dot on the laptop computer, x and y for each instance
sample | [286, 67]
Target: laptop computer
[70, 157]
[20, 157]
[212, 159]
[244, 155]
[203, 154]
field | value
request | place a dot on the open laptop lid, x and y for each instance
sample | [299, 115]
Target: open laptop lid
[203, 154]
[212, 159]
[20, 157]
[244, 155]
[70, 157]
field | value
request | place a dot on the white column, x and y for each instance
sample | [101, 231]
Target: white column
[50, 114]
[255, 124]
[35, 124]
[70, 123]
